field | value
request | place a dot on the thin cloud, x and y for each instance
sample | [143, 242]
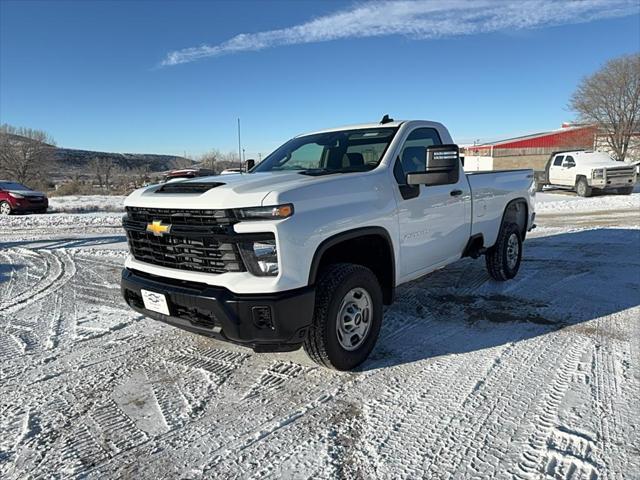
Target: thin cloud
[422, 20]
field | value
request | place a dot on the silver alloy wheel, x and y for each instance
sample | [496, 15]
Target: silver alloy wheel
[513, 251]
[5, 208]
[581, 189]
[354, 318]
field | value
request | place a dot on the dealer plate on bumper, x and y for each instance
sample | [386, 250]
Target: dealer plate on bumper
[156, 302]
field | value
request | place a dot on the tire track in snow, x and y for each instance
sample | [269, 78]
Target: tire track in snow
[79, 452]
[60, 269]
[534, 461]
[407, 417]
[274, 378]
[606, 394]
[508, 392]
[173, 405]
[13, 425]
[6, 287]
[220, 363]
[116, 429]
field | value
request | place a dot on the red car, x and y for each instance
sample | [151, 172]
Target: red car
[16, 198]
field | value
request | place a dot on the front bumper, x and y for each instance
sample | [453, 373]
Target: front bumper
[616, 182]
[264, 322]
[26, 206]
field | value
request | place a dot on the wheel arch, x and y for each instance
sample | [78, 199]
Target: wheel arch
[368, 246]
[517, 211]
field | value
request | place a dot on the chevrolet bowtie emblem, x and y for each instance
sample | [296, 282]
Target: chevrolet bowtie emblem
[157, 228]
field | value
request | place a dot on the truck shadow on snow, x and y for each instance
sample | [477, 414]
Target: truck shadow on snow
[564, 280]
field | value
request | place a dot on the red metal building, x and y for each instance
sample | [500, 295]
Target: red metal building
[569, 136]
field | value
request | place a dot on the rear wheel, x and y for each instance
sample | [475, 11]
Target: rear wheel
[5, 208]
[503, 259]
[625, 190]
[582, 187]
[347, 317]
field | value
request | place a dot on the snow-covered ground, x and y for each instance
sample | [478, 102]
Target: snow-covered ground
[87, 203]
[548, 201]
[561, 202]
[533, 378]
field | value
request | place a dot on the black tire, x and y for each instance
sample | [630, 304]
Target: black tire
[582, 187]
[5, 208]
[499, 258]
[322, 344]
[625, 190]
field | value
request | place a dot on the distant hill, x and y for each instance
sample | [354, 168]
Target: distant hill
[73, 161]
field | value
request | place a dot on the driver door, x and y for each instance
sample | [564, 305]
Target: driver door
[567, 172]
[432, 219]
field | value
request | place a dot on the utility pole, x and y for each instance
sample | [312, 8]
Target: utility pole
[239, 147]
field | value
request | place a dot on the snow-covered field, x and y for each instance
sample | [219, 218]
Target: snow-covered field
[534, 378]
[87, 203]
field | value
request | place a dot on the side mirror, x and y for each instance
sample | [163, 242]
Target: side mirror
[249, 164]
[442, 167]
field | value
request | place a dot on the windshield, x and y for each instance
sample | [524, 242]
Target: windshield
[12, 186]
[331, 152]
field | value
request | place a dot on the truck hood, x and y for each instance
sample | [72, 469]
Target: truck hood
[598, 160]
[605, 164]
[226, 191]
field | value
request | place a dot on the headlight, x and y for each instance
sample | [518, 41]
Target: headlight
[598, 173]
[260, 257]
[16, 195]
[265, 213]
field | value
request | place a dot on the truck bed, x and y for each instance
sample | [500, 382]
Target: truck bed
[491, 192]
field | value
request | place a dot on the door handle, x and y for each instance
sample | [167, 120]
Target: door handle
[455, 193]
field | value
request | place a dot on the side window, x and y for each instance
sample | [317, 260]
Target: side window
[570, 159]
[558, 160]
[411, 156]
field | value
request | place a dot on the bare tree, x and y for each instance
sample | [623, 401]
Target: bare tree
[102, 169]
[209, 159]
[25, 153]
[610, 98]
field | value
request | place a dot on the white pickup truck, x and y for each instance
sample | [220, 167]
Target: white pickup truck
[306, 248]
[586, 171]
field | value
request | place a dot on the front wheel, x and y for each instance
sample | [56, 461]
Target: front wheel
[5, 208]
[503, 259]
[582, 188]
[347, 317]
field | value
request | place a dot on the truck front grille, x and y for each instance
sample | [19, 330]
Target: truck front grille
[196, 240]
[620, 172]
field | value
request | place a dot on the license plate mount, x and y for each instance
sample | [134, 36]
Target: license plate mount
[156, 302]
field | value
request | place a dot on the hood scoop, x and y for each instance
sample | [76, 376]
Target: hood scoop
[188, 187]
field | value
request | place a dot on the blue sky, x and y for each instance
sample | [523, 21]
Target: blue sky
[134, 76]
